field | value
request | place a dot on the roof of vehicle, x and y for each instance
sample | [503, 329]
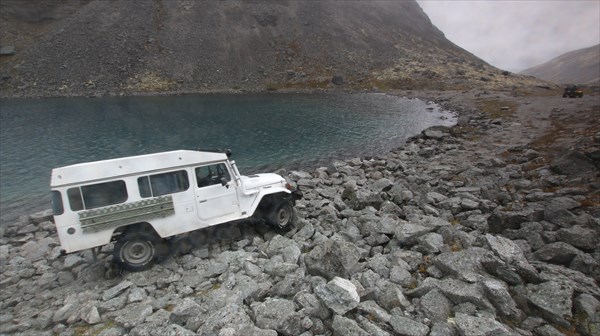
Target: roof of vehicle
[90, 172]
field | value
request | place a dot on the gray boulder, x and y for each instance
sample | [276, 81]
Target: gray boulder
[333, 258]
[273, 313]
[480, 326]
[557, 253]
[339, 295]
[578, 236]
[553, 299]
[436, 306]
[345, 326]
[408, 327]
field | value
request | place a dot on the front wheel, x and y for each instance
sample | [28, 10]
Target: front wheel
[282, 215]
[136, 251]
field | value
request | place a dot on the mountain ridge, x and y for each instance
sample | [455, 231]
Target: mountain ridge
[142, 46]
[581, 66]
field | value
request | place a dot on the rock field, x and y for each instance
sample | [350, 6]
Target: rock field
[456, 233]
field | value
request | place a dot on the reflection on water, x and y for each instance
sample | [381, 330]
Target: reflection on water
[265, 132]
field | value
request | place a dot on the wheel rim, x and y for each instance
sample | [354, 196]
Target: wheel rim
[137, 252]
[283, 216]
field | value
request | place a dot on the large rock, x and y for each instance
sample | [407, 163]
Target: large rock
[273, 313]
[578, 236]
[502, 219]
[460, 292]
[408, 327]
[497, 293]
[116, 290]
[346, 326]
[233, 317]
[338, 295]
[436, 305]
[553, 299]
[465, 264]
[480, 326]
[573, 163]
[333, 258]
[557, 253]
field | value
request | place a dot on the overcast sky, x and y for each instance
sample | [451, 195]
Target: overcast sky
[517, 34]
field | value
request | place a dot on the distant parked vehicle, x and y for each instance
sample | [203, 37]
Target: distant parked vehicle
[572, 91]
[137, 201]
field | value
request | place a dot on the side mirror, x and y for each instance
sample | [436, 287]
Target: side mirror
[224, 182]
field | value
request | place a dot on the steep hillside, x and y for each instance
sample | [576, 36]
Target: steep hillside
[580, 66]
[137, 46]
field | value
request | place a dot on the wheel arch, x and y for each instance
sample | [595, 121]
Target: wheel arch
[137, 227]
[267, 200]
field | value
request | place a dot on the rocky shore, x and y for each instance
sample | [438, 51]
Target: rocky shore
[470, 230]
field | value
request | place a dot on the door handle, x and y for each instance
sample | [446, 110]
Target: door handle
[202, 201]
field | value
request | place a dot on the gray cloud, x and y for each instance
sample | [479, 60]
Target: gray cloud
[515, 35]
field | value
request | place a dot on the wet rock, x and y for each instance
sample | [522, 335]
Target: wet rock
[338, 295]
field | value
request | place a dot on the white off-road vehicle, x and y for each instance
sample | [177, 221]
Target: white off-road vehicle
[137, 201]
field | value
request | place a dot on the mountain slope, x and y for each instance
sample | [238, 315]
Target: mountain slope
[129, 47]
[580, 66]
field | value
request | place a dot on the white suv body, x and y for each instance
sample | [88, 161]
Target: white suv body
[140, 200]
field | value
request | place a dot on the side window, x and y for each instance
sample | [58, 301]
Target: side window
[212, 174]
[57, 203]
[103, 194]
[163, 184]
[75, 200]
[97, 195]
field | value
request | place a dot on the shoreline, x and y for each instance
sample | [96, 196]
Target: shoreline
[484, 227]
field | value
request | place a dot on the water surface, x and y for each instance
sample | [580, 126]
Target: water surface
[265, 132]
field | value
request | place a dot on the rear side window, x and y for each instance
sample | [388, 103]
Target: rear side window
[163, 184]
[57, 203]
[97, 195]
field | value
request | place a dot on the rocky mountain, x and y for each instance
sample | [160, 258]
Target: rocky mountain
[94, 47]
[580, 66]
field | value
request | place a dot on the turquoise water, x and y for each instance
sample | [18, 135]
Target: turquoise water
[265, 132]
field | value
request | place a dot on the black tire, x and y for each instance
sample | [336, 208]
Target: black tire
[137, 251]
[282, 215]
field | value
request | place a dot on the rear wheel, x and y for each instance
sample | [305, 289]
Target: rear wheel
[137, 251]
[281, 215]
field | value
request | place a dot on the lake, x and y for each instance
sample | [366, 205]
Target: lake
[265, 131]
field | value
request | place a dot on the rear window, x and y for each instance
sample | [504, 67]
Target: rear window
[97, 195]
[57, 203]
[163, 184]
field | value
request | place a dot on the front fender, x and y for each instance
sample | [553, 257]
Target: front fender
[266, 197]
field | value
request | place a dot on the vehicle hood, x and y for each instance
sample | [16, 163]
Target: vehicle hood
[262, 180]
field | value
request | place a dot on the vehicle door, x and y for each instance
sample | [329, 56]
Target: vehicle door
[213, 199]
